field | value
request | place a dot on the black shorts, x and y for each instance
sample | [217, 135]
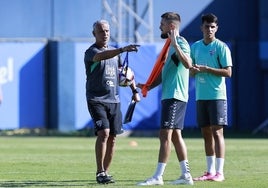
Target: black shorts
[211, 112]
[173, 113]
[106, 116]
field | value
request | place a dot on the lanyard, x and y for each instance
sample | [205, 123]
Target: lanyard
[125, 65]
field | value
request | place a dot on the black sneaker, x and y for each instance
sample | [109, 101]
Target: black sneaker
[103, 178]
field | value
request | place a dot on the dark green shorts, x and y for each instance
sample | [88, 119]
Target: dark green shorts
[211, 112]
[173, 113]
[106, 116]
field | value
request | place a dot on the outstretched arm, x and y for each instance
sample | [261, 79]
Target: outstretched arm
[107, 54]
[153, 85]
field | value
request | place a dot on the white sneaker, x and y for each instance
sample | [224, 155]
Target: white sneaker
[152, 181]
[185, 179]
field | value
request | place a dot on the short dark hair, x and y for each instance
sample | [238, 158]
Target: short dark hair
[171, 16]
[210, 18]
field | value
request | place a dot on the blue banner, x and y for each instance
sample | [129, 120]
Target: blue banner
[22, 79]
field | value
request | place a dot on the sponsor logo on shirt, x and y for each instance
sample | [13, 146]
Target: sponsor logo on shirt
[110, 71]
[110, 83]
[212, 52]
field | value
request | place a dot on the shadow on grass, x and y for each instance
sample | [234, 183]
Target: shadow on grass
[64, 183]
[47, 183]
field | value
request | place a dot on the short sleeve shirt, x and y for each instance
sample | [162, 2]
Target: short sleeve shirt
[102, 77]
[175, 77]
[215, 55]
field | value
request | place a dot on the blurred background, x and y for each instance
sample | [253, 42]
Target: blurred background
[42, 45]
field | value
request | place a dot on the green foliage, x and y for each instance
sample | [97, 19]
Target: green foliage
[70, 162]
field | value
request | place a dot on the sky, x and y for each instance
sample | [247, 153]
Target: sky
[188, 10]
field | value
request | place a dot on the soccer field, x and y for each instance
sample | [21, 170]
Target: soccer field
[70, 162]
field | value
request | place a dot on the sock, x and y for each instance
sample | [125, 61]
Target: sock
[185, 169]
[219, 165]
[160, 169]
[211, 164]
[102, 173]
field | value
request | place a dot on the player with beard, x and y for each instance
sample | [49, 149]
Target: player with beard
[174, 79]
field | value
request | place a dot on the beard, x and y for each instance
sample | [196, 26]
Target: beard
[164, 35]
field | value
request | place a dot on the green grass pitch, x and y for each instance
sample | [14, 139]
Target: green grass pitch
[70, 162]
